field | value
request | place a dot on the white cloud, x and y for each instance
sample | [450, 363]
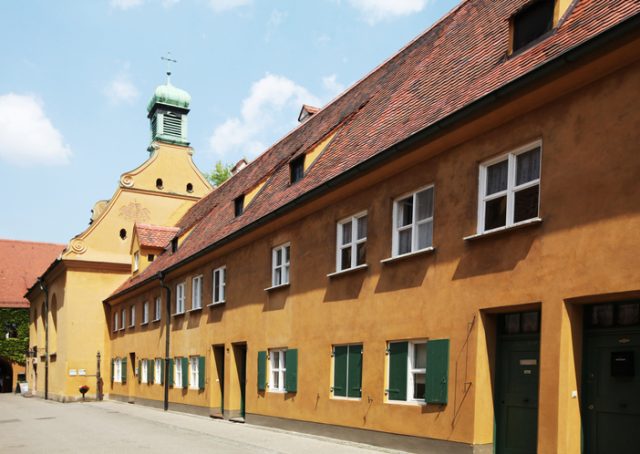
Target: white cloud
[169, 3]
[374, 11]
[225, 5]
[26, 134]
[270, 111]
[121, 89]
[125, 4]
[331, 85]
[275, 20]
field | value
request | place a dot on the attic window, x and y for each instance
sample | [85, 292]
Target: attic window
[159, 183]
[189, 187]
[238, 205]
[296, 168]
[174, 244]
[151, 257]
[531, 23]
[123, 234]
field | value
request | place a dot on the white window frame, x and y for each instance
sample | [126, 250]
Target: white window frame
[511, 157]
[123, 318]
[196, 292]
[115, 320]
[180, 298]
[395, 241]
[157, 376]
[136, 261]
[221, 272]
[145, 313]
[132, 316]
[279, 369]
[144, 372]
[355, 241]
[177, 372]
[117, 370]
[194, 372]
[411, 370]
[284, 267]
[157, 309]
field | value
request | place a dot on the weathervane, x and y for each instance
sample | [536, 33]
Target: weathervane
[169, 60]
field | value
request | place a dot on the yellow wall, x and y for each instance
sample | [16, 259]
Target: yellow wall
[454, 292]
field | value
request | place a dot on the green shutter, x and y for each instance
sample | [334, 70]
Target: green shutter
[162, 371]
[124, 370]
[262, 371]
[139, 371]
[170, 372]
[398, 355]
[185, 372]
[340, 371]
[201, 372]
[112, 369]
[355, 371]
[291, 376]
[150, 367]
[437, 380]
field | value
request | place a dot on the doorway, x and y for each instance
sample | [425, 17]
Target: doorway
[6, 376]
[240, 357]
[611, 378]
[517, 377]
[217, 389]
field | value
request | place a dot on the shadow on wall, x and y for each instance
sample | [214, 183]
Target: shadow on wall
[345, 287]
[406, 273]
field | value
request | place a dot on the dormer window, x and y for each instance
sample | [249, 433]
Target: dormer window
[296, 168]
[531, 23]
[238, 205]
[174, 244]
[136, 261]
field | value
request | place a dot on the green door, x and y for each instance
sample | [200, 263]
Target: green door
[517, 375]
[611, 379]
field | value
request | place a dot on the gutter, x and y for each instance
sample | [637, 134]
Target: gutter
[167, 344]
[45, 289]
[575, 53]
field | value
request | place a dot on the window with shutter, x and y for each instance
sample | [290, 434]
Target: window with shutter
[201, 373]
[150, 371]
[262, 371]
[291, 378]
[354, 371]
[170, 372]
[347, 371]
[398, 354]
[437, 383]
[185, 373]
[340, 355]
[124, 370]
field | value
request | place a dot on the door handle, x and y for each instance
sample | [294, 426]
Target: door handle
[525, 400]
[590, 407]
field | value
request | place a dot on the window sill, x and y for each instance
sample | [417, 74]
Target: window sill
[195, 309]
[276, 287]
[277, 391]
[519, 225]
[409, 254]
[217, 303]
[144, 323]
[352, 399]
[177, 314]
[347, 271]
[132, 326]
[406, 403]
[156, 320]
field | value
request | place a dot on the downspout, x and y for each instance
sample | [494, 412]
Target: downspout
[167, 340]
[45, 289]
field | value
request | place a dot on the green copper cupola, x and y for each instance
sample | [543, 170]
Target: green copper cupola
[167, 112]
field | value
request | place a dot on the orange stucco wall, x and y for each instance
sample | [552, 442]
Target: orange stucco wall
[585, 246]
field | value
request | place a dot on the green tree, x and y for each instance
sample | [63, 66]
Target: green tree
[220, 173]
[16, 323]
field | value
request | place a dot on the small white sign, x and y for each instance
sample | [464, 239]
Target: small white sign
[528, 362]
[82, 371]
[73, 372]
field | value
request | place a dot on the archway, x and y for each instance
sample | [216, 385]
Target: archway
[6, 376]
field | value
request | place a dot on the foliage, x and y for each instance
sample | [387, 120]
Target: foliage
[220, 173]
[14, 349]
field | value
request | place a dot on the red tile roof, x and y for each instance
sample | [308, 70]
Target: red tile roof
[155, 236]
[460, 60]
[21, 262]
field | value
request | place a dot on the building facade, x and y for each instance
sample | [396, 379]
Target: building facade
[66, 302]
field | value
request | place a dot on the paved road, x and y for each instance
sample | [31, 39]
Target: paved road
[32, 425]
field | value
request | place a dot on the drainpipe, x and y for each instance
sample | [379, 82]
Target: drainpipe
[45, 289]
[167, 324]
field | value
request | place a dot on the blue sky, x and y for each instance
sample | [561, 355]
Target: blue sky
[76, 77]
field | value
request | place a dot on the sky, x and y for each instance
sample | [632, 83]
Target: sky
[76, 77]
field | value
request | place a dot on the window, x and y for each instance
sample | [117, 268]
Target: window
[117, 370]
[278, 369]
[145, 312]
[352, 242]
[347, 371]
[151, 257]
[144, 371]
[180, 298]
[219, 284]
[132, 316]
[196, 293]
[159, 372]
[136, 261]
[157, 310]
[123, 319]
[115, 321]
[178, 373]
[238, 205]
[296, 169]
[407, 371]
[193, 372]
[280, 265]
[413, 222]
[509, 189]
[532, 22]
